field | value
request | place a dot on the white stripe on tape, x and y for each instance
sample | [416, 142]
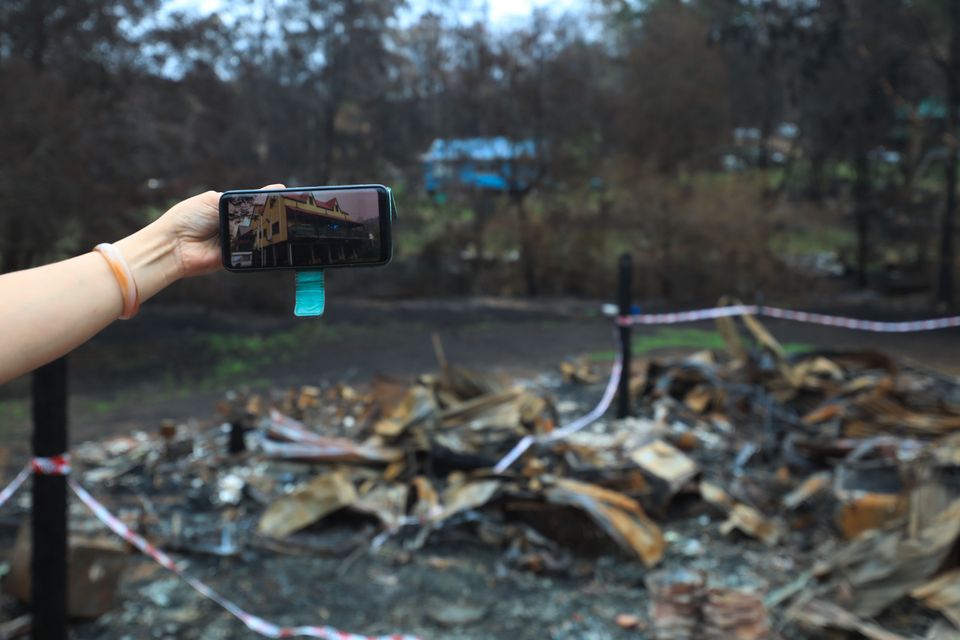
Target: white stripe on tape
[689, 316]
[15, 484]
[931, 324]
[789, 314]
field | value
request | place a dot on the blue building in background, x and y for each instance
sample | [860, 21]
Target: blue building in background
[489, 164]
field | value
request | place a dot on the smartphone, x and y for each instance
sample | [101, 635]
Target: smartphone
[306, 227]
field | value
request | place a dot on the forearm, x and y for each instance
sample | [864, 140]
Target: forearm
[51, 310]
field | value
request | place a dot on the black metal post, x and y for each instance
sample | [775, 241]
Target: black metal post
[237, 443]
[624, 299]
[48, 582]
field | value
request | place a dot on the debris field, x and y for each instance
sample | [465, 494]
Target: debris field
[754, 494]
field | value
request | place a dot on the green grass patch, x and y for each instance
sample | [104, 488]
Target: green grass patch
[14, 409]
[682, 338]
[14, 418]
[670, 337]
[812, 240]
[106, 406]
[235, 355]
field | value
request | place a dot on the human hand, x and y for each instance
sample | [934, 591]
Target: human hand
[183, 242]
[195, 225]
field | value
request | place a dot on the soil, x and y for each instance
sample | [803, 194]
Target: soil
[456, 587]
[135, 374]
[119, 384]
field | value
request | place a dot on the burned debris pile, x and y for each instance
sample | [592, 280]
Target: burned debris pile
[835, 474]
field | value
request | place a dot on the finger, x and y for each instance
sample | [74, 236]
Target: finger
[273, 186]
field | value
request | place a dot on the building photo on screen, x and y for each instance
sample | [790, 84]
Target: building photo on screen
[304, 228]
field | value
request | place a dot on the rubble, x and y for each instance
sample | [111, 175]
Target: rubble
[819, 615]
[883, 565]
[621, 517]
[447, 614]
[321, 496]
[741, 517]
[676, 603]
[735, 613]
[667, 465]
[833, 473]
[17, 627]
[941, 630]
[628, 621]
[579, 371]
[943, 594]
[95, 564]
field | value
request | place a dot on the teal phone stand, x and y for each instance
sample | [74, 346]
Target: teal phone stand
[311, 297]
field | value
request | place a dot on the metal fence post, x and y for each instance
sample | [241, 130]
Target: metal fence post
[48, 583]
[624, 299]
[237, 443]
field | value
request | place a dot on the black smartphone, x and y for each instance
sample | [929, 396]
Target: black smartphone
[306, 227]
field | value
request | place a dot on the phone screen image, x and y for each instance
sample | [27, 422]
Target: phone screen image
[306, 228]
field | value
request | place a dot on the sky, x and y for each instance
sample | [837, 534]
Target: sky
[501, 12]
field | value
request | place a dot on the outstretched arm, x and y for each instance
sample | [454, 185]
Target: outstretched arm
[50, 310]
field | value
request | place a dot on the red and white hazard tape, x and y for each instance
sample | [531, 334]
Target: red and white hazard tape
[15, 484]
[60, 465]
[788, 314]
[907, 326]
[252, 622]
[686, 316]
[53, 466]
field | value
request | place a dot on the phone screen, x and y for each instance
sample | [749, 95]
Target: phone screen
[304, 228]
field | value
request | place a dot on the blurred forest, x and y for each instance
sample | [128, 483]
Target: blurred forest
[734, 146]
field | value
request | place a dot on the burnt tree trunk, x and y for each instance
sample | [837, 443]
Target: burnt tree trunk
[666, 231]
[329, 134]
[527, 263]
[12, 253]
[482, 210]
[861, 203]
[945, 274]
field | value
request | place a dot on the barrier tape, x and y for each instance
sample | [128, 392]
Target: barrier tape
[60, 465]
[695, 315]
[862, 325]
[15, 484]
[252, 622]
[687, 316]
[53, 466]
